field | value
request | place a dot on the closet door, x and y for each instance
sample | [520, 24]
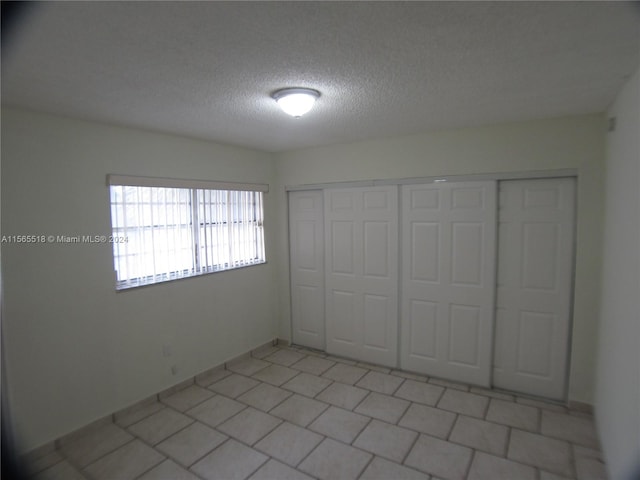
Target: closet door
[306, 244]
[535, 271]
[448, 279]
[361, 239]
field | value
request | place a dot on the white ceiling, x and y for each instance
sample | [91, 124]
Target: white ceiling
[206, 69]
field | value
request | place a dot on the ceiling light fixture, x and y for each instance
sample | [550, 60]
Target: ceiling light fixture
[296, 101]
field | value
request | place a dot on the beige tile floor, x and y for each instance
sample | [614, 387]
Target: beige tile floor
[292, 413]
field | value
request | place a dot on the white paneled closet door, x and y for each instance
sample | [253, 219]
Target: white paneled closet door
[448, 279]
[535, 271]
[306, 245]
[361, 240]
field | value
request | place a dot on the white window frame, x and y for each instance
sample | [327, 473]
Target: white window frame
[167, 229]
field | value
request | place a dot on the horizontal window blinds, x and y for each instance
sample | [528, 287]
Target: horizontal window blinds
[136, 181]
[166, 233]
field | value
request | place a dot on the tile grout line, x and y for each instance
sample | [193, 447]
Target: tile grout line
[360, 431]
[324, 437]
[452, 427]
[309, 454]
[573, 460]
[196, 419]
[187, 467]
[153, 446]
[166, 405]
[508, 443]
[83, 470]
[331, 383]
[404, 412]
[444, 389]
[468, 469]
[277, 404]
[486, 408]
[536, 466]
[393, 394]
[259, 467]
[413, 444]
[364, 468]
[193, 420]
[125, 427]
[216, 428]
[539, 422]
[151, 468]
[361, 400]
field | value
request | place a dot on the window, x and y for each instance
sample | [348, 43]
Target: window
[168, 229]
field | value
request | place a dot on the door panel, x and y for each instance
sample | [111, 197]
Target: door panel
[376, 315]
[423, 316]
[467, 250]
[424, 251]
[342, 245]
[464, 331]
[308, 296]
[534, 348]
[342, 307]
[361, 228]
[539, 249]
[376, 240]
[306, 240]
[448, 284]
[534, 295]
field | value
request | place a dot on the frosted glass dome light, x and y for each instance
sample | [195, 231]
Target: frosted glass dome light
[296, 101]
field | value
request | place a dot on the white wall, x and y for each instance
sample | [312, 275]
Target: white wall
[572, 142]
[618, 373]
[75, 349]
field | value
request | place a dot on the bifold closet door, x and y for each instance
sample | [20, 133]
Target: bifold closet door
[535, 272]
[306, 245]
[361, 240]
[448, 279]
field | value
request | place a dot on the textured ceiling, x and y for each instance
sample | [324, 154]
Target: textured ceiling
[206, 69]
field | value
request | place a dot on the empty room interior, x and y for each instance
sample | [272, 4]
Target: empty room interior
[330, 240]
